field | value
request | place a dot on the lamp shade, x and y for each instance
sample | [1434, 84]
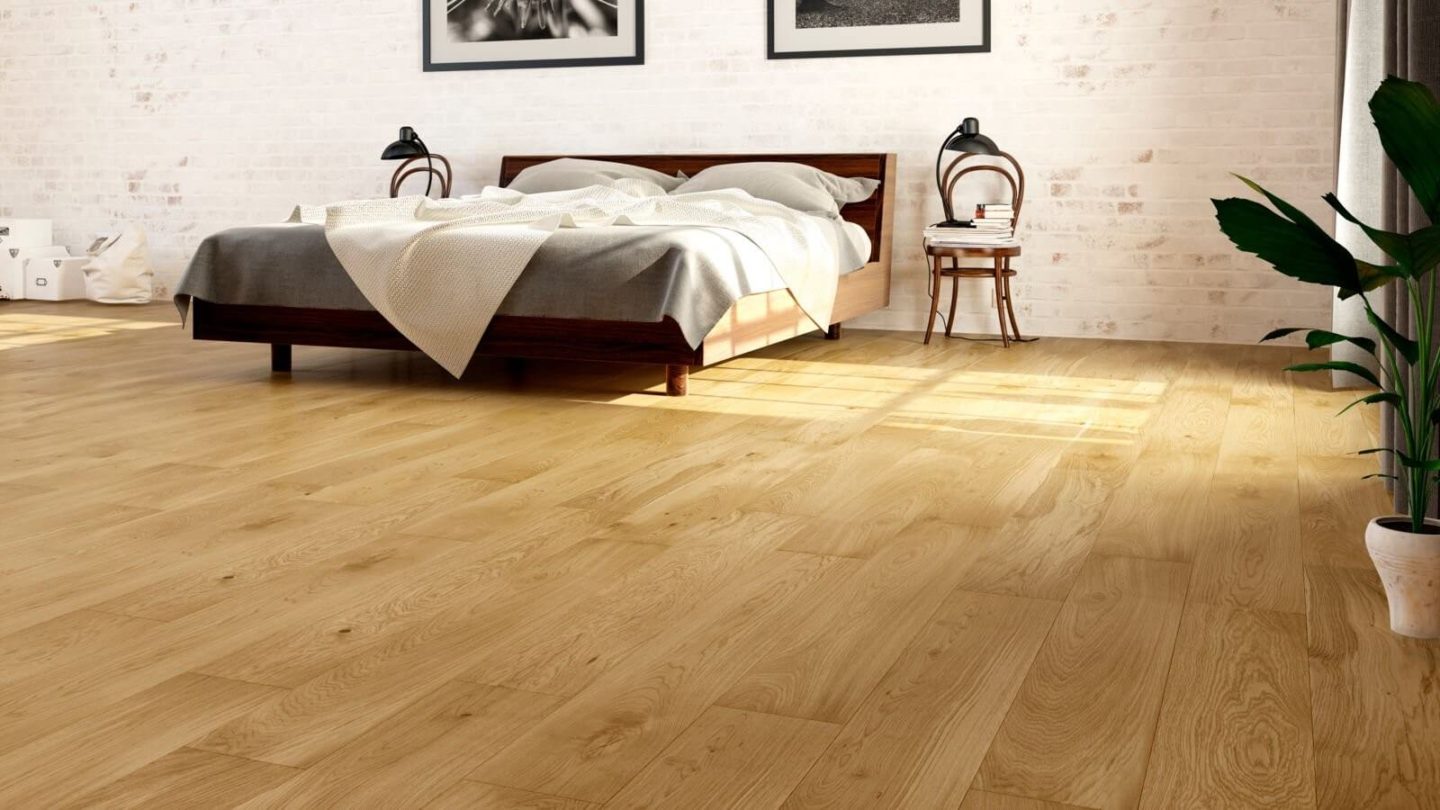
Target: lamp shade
[409, 145]
[967, 138]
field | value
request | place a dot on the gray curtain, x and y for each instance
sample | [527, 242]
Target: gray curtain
[1379, 38]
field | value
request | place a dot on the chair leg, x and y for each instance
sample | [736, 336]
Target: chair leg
[954, 299]
[934, 299]
[1010, 309]
[1000, 302]
[677, 381]
[833, 333]
[281, 358]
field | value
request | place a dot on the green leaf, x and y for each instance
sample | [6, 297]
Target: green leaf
[1288, 247]
[1280, 333]
[1427, 464]
[1380, 475]
[1373, 399]
[1292, 213]
[1416, 254]
[1372, 276]
[1408, 348]
[1339, 365]
[1319, 339]
[1426, 245]
[1407, 116]
[1395, 245]
[1372, 451]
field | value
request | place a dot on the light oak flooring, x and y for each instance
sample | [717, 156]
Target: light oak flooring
[868, 573]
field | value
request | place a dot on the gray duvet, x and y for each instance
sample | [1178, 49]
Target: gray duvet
[620, 273]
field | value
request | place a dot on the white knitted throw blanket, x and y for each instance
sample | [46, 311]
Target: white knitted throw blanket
[439, 270]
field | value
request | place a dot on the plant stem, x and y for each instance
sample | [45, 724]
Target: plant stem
[1404, 408]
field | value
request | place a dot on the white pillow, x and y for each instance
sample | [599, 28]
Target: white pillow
[794, 185]
[566, 174]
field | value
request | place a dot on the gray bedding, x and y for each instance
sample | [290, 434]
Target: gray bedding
[620, 273]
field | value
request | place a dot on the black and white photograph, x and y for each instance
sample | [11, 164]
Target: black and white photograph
[857, 13]
[833, 28]
[497, 34]
[492, 20]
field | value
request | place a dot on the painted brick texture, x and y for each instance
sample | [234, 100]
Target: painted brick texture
[189, 116]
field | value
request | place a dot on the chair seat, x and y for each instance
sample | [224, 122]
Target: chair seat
[973, 252]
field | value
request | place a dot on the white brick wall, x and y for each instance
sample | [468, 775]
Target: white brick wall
[189, 116]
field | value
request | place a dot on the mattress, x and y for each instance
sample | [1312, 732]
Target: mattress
[616, 273]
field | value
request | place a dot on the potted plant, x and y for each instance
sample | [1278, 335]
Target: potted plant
[1405, 548]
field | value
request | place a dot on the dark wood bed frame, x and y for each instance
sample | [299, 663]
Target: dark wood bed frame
[754, 322]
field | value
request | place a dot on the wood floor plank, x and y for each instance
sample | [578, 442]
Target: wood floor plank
[1081, 727]
[985, 800]
[483, 573]
[40, 647]
[1375, 711]
[189, 778]
[1319, 429]
[1235, 726]
[139, 553]
[51, 772]
[564, 653]
[471, 795]
[829, 661]
[1159, 512]
[250, 568]
[920, 737]
[113, 669]
[594, 745]
[322, 714]
[1251, 555]
[1040, 550]
[1335, 507]
[729, 758]
[416, 755]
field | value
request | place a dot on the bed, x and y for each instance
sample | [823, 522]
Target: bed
[753, 322]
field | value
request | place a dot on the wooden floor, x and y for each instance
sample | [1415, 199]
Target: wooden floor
[863, 574]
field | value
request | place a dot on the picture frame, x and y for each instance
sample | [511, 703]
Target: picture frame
[466, 35]
[922, 28]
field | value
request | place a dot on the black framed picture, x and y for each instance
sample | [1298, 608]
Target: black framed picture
[808, 29]
[510, 34]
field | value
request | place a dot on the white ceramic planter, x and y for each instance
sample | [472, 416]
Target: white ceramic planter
[1409, 566]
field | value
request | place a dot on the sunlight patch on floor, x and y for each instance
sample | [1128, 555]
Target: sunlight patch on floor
[980, 403]
[18, 330]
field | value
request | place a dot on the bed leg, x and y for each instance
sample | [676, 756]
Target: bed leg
[280, 358]
[833, 333]
[677, 381]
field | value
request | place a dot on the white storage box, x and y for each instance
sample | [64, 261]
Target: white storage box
[12, 268]
[25, 233]
[55, 279]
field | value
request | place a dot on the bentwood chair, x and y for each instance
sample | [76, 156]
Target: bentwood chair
[996, 266]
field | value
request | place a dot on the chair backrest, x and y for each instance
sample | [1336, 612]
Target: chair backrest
[1013, 174]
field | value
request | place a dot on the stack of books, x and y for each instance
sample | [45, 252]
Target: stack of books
[993, 226]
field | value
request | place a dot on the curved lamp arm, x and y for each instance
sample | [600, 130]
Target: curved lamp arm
[939, 181]
[429, 164]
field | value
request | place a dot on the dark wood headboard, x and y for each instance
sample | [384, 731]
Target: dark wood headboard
[870, 214]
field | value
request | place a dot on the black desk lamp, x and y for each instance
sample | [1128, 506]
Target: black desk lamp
[966, 138]
[410, 148]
